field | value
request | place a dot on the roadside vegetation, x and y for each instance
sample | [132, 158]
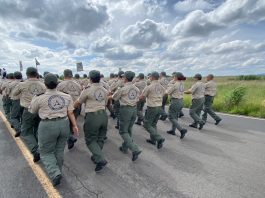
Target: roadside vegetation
[242, 95]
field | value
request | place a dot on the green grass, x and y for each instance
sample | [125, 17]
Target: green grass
[253, 103]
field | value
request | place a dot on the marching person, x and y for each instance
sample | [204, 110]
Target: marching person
[210, 92]
[154, 94]
[116, 85]
[197, 90]
[71, 87]
[164, 82]
[176, 91]
[16, 110]
[140, 84]
[7, 103]
[30, 122]
[55, 109]
[96, 119]
[128, 97]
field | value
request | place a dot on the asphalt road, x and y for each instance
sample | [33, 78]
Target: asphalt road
[220, 161]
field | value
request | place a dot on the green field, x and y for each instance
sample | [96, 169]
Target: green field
[253, 101]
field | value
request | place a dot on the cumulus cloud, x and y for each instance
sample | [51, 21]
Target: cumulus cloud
[70, 17]
[144, 34]
[103, 44]
[123, 53]
[190, 5]
[231, 12]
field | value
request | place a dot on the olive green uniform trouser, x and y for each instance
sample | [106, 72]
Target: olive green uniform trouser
[174, 111]
[16, 115]
[140, 107]
[164, 102]
[151, 118]
[116, 106]
[195, 110]
[95, 129]
[29, 130]
[127, 119]
[7, 105]
[52, 136]
[208, 109]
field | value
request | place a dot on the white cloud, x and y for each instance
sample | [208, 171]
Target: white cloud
[145, 34]
[123, 53]
[190, 5]
[231, 12]
[103, 44]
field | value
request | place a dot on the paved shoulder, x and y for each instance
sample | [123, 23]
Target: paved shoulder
[16, 176]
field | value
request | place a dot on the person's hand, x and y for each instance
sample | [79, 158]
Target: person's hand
[76, 130]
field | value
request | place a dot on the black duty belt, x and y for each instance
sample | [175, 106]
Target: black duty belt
[97, 112]
[53, 119]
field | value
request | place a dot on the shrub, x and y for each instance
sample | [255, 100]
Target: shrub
[234, 98]
[249, 77]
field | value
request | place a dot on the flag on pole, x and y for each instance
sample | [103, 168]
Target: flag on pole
[79, 66]
[20, 66]
[37, 62]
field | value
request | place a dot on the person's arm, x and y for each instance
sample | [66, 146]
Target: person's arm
[34, 105]
[72, 119]
[191, 90]
[144, 93]
[117, 95]
[17, 90]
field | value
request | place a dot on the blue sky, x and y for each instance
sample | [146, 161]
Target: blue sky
[191, 36]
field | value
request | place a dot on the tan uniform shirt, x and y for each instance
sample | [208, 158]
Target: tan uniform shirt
[164, 82]
[127, 95]
[52, 104]
[28, 89]
[85, 83]
[111, 80]
[70, 87]
[197, 90]
[176, 90]
[104, 84]
[95, 98]
[4, 87]
[141, 84]
[11, 89]
[154, 94]
[210, 88]
[116, 85]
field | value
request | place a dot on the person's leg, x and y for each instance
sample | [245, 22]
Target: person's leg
[91, 129]
[27, 131]
[48, 134]
[103, 129]
[127, 118]
[8, 108]
[16, 116]
[151, 118]
[163, 113]
[117, 109]
[209, 108]
[193, 109]
[61, 141]
[174, 111]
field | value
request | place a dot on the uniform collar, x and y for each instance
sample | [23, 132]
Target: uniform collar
[51, 90]
[33, 79]
[154, 81]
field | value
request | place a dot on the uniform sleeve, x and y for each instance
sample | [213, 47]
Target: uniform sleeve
[34, 106]
[17, 90]
[145, 91]
[193, 88]
[113, 86]
[83, 97]
[170, 89]
[71, 105]
[117, 95]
